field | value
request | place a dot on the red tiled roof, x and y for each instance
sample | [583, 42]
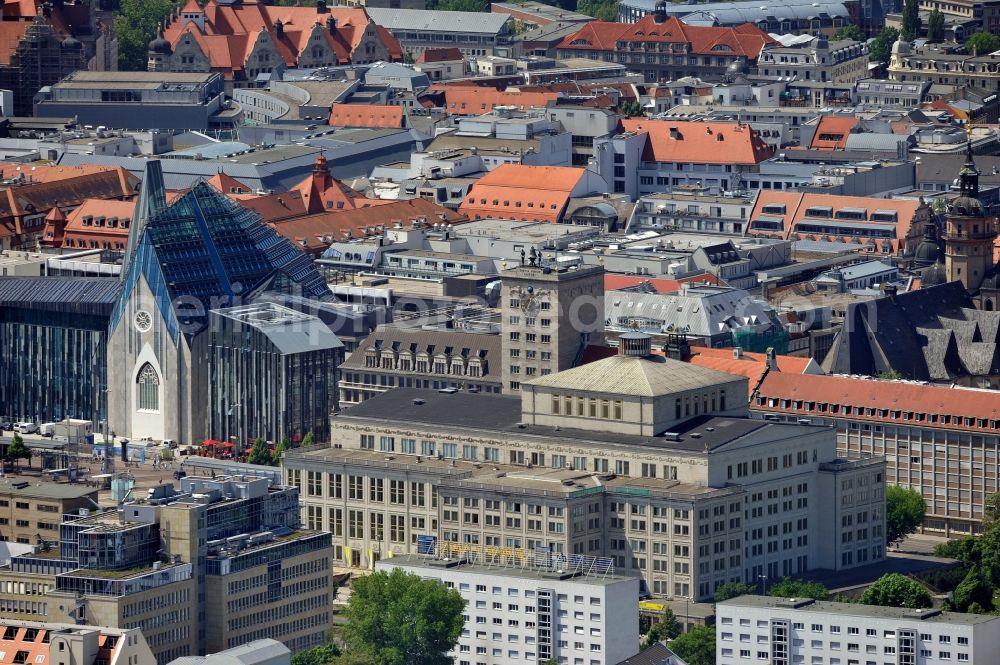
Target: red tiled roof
[749, 364]
[700, 142]
[745, 40]
[516, 191]
[48, 172]
[832, 132]
[797, 204]
[476, 100]
[889, 397]
[276, 207]
[77, 235]
[321, 192]
[314, 233]
[613, 282]
[18, 201]
[19, 8]
[229, 185]
[439, 55]
[366, 115]
[11, 34]
[232, 30]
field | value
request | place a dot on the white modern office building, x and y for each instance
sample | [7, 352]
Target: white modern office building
[573, 610]
[781, 631]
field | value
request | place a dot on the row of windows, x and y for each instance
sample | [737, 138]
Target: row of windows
[881, 414]
[592, 407]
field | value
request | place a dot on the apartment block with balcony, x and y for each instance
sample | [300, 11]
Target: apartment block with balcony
[536, 612]
[802, 630]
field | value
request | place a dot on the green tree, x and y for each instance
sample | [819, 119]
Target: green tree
[851, 31]
[136, 24]
[462, 5]
[17, 451]
[733, 589]
[890, 375]
[895, 590]
[982, 43]
[789, 588]
[666, 628]
[911, 20]
[935, 26]
[280, 450]
[321, 655]
[408, 57]
[975, 589]
[697, 646]
[881, 47]
[400, 619]
[631, 108]
[965, 549]
[308, 439]
[904, 511]
[350, 659]
[259, 453]
[602, 10]
[991, 511]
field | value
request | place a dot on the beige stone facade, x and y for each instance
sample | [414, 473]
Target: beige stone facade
[717, 498]
[548, 317]
[29, 511]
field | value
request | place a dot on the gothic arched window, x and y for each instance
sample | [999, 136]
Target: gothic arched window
[149, 389]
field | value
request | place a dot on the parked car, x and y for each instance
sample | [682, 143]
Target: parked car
[6, 423]
[25, 428]
[170, 443]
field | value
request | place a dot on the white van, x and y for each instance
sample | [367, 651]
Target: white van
[47, 429]
[25, 428]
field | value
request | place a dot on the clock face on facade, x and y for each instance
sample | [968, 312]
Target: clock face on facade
[143, 321]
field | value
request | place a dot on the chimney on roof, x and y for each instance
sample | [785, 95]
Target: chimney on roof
[279, 28]
[331, 24]
[321, 7]
[772, 359]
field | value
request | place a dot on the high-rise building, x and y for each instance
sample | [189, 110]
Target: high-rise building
[219, 563]
[550, 314]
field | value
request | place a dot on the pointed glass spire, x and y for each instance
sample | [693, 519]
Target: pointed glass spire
[152, 200]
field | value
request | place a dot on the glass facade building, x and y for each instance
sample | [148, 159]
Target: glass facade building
[273, 373]
[53, 347]
[204, 251]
